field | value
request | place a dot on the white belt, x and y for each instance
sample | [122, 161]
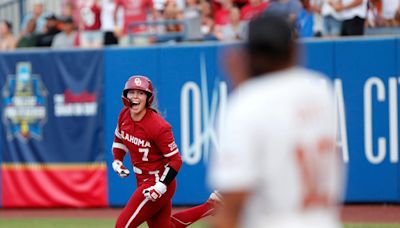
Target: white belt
[155, 173]
[139, 171]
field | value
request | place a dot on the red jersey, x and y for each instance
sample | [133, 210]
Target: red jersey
[149, 142]
[248, 11]
[90, 17]
[134, 11]
[222, 16]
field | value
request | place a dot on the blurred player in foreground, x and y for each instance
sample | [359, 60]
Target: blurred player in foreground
[147, 138]
[277, 165]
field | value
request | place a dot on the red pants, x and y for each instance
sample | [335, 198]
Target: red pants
[139, 209]
[158, 214]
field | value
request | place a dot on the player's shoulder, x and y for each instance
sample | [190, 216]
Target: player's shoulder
[293, 80]
[242, 102]
[312, 74]
[313, 81]
[123, 114]
[273, 88]
[157, 122]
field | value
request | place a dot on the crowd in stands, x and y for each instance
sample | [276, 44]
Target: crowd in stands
[96, 23]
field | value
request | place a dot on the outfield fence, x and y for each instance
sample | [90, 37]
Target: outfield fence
[59, 111]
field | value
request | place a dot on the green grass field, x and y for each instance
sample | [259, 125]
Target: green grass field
[100, 223]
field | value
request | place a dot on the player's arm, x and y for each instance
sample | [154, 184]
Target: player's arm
[168, 147]
[119, 150]
[166, 143]
[171, 169]
[228, 215]
[235, 169]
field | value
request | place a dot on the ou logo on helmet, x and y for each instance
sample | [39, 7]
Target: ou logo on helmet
[138, 82]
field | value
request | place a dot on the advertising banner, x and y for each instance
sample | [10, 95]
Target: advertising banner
[52, 137]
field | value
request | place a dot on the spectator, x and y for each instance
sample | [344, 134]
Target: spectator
[29, 38]
[277, 165]
[107, 22]
[354, 13]
[397, 16]
[90, 24]
[134, 11]
[252, 9]
[159, 5]
[38, 15]
[45, 39]
[240, 3]
[374, 14]
[193, 19]
[287, 8]
[317, 17]
[305, 20]
[234, 30]
[222, 11]
[68, 10]
[172, 12]
[207, 21]
[68, 37]
[7, 40]
[389, 10]
[332, 19]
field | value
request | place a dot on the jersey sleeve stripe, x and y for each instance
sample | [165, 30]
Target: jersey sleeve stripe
[117, 134]
[172, 153]
[120, 146]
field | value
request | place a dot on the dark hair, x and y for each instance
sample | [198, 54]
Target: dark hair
[8, 24]
[270, 44]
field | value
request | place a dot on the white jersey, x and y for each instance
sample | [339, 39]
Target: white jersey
[277, 142]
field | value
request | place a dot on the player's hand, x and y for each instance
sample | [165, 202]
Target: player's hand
[120, 169]
[154, 192]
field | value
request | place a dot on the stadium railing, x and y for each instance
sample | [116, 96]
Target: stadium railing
[13, 11]
[155, 29]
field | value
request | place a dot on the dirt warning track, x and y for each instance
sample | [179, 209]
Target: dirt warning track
[379, 213]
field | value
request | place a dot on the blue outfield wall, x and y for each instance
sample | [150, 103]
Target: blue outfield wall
[366, 79]
[191, 87]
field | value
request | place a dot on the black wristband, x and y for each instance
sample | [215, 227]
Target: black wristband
[168, 175]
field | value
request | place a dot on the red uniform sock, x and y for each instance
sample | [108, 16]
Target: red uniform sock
[191, 215]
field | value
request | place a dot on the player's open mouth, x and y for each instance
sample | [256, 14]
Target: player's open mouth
[135, 104]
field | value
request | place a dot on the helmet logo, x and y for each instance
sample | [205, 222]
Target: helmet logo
[138, 82]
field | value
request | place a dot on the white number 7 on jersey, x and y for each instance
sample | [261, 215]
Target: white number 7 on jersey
[145, 152]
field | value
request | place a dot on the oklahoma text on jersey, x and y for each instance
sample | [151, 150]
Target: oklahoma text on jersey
[134, 140]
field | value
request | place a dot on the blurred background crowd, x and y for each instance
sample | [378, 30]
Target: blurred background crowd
[96, 23]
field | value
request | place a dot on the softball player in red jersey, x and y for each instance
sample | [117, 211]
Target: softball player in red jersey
[147, 138]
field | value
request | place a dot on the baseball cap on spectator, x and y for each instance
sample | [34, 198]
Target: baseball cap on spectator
[51, 17]
[67, 20]
[7, 23]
